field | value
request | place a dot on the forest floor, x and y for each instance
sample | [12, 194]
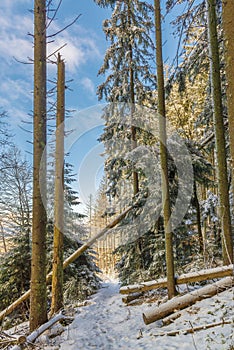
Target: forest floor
[106, 323]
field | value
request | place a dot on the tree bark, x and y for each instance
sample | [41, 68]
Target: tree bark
[132, 102]
[57, 280]
[3, 238]
[228, 28]
[131, 297]
[163, 154]
[38, 302]
[198, 214]
[179, 303]
[224, 206]
[191, 277]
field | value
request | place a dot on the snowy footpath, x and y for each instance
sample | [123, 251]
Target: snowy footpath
[106, 323]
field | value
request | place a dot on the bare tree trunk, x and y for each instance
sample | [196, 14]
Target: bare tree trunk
[191, 277]
[3, 238]
[181, 302]
[198, 214]
[132, 101]
[57, 280]
[38, 302]
[163, 154]
[228, 15]
[224, 206]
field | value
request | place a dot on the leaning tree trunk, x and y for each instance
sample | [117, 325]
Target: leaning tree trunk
[38, 302]
[228, 28]
[224, 206]
[57, 280]
[163, 154]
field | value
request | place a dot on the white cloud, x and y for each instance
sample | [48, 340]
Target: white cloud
[11, 47]
[16, 79]
[81, 46]
[14, 41]
[88, 85]
[15, 98]
[73, 55]
[16, 89]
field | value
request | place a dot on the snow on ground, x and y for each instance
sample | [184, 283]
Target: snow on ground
[108, 324]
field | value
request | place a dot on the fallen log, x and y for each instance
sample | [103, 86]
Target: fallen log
[10, 340]
[191, 277]
[35, 334]
[171, 318]
[131, 297]
[68, 261]
[181, 302]
[194, 329]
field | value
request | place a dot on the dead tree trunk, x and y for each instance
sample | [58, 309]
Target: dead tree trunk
[191, 277]
[183, 301]
[38, 302]
[35, 334]
[57, 280]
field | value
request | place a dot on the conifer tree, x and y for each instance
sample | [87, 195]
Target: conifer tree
[15, 205]
[127, 63]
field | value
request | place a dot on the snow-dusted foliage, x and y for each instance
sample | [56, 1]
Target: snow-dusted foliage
[127, 60]
[129, 80]
[209, 207]
[80, 278]
[16, 212]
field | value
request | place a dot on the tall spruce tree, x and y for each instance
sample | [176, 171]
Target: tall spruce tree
[126, 63]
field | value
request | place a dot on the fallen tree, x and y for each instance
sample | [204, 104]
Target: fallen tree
[35, 334]
[131, 297]
[183, 301]
[195, 329]
[7, 340]
[68, 261]
[191, 277]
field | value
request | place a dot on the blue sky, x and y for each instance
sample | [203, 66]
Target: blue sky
[83, 55]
